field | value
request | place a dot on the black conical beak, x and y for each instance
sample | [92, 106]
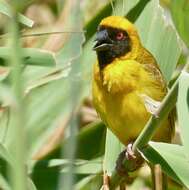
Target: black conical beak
[103, 42]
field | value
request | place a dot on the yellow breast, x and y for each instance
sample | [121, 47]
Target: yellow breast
[117, 91]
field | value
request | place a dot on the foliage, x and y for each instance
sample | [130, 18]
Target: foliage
[51, 137]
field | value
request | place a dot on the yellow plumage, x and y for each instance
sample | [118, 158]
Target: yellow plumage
[118, 87]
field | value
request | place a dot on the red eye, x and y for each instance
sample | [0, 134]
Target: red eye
[120, 36]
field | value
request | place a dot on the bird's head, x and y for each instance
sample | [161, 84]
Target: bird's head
[116, 38]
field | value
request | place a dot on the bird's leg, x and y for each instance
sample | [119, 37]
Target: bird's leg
[127, 162]
[119, 164]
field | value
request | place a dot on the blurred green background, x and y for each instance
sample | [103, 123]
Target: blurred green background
[50, 135]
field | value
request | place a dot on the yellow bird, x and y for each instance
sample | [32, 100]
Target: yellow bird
[124, 75]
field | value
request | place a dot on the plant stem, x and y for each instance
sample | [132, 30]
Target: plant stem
[150, 128]
[156, 120]
[17, 145]
[164, 181]
[152, 175]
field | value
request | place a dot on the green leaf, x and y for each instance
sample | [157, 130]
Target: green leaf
[4, 72]
[5, 9]
[88, 148]
[183, 109]
[88, 60]
[122, 8]
[51, 101]
[39, 57]
[86, 167]
[25, 20]
[53, 75]
[180, 15]
[134, 13]
[90, 182]
[77, 162]
[65, 57]
[72, 48]
[87, 138]
[31, 185]
[4, 117]
[31, 56]
[44, 177]
[54, 96]
[113, 148]
[91, 26]
[130, 9]
[4, 154]
[159, 37]
[171, 158]
[3, 183]
[6, 96]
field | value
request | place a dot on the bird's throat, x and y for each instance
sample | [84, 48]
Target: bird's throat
[105, 58]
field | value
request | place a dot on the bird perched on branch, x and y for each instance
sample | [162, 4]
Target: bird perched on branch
[127, 82]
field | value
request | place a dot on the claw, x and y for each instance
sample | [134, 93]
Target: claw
[128, 162]
[119, 164]
[129, 152]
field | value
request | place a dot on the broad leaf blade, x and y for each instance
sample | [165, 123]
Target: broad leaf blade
[31, 56]
[180, 15]
[90, 182]
[70, 51]
[5, 9]
[4, 154]
[183, 109]
[159, 37]
[113, 148]
[87, 148]
[86, 167]
[91, 26]
[31, 185]
[55, 101]
[171, 158]
[4, 183]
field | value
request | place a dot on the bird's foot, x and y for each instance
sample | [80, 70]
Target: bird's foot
[129, 152]
[120, 168]
[128, 161]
